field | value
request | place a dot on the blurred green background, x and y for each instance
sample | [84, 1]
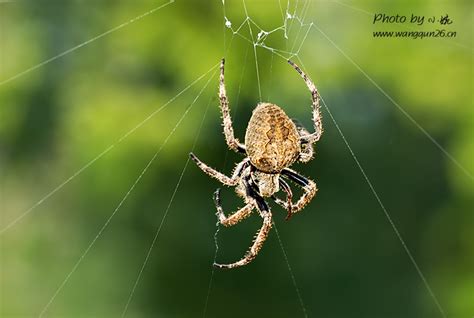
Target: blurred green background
[344, 255]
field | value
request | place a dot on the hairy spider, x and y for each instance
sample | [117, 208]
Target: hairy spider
[273, 142]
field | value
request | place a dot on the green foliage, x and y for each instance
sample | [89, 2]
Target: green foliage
[58, 117]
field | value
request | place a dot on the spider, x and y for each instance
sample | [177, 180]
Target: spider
[273, 142]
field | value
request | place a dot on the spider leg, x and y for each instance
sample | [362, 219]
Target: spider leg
[229, 181]
[261, 236]
[309, 188]
[235, 217]
[230, 139]
[318, 125]
[289, 196]
[307, 151]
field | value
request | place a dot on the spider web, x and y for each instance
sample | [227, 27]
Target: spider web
[258, 41]
[293, 16]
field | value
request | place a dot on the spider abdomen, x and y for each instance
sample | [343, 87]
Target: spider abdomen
[272, 140]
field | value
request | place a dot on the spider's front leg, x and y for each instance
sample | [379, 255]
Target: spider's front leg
[309, 188]
[317, 119]
[234, 218]
[289, 196]
[262, 234]
[232, 142]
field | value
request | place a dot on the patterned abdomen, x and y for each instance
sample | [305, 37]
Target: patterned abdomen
[272, 140]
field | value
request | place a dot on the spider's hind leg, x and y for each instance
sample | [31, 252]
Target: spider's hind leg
[230, 139]
[307, 150]
[317, 118]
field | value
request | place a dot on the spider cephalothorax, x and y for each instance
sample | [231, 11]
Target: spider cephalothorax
[273, 142]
